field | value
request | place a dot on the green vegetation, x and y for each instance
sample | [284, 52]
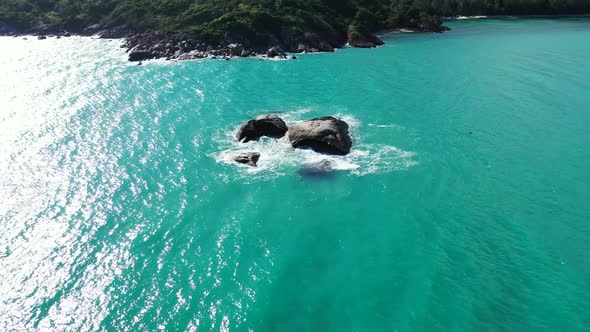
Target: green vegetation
[260, 21]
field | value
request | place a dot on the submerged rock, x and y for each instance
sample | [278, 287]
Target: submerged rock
[264, 125]
[326, 134]
[321, 169]
[247, 158]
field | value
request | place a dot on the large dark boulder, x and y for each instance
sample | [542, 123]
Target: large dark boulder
[363, 40]
[271, 125]
[264, 125]
[248, 132]
[141, 55]
[247, 158]
[326, 134]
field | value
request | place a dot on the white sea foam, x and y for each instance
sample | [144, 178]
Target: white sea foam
[277, 157]
[384, 125]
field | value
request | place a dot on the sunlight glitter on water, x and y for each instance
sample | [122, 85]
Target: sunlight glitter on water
[119, 211]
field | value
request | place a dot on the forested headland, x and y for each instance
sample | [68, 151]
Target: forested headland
[315, 24]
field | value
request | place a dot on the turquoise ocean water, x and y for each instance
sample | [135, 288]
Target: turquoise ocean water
[119, 211]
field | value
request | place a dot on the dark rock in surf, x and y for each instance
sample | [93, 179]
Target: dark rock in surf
[248, 132]
[271, 125]
[363, 40]
[264, 125]
[42, 37]
[247, 158]
[276, 52]
[141, 55]
[326, 134]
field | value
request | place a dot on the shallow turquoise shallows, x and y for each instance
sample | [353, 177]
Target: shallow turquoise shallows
[463, 206]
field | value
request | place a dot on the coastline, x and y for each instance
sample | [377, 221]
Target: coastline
[149, 45]
[511, 17]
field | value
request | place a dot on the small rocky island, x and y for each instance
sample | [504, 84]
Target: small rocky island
[327, 135]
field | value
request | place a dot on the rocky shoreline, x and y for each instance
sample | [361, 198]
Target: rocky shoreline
[147, 45]
[155, 45]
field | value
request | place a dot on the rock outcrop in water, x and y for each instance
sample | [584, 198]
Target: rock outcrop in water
[264, 125]
[326, 135]
[359, 40]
